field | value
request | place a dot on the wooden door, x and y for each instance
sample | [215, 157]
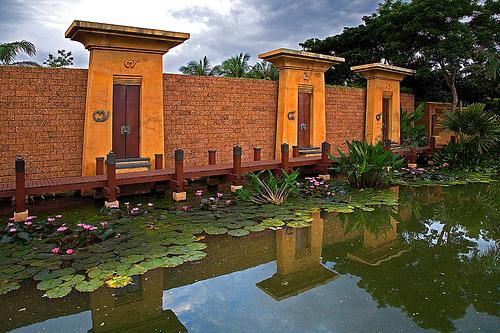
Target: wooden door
[126, 99]
[385, 119]
[304, 117]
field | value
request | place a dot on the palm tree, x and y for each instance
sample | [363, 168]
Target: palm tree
[236, 66]
[264, 70]
[201, 68]
[9, 51]
[474, 126]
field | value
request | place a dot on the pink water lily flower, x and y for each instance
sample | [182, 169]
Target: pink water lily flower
[69, 251]
[228, 202]
[150, 204]
[28, 223]
[62, 228]
[51, 219]
[12, 230]
[185, 208]
[104, 225]
[11, 219]
[219, 195]
[55, 250]
[199, 193]
[58, 216]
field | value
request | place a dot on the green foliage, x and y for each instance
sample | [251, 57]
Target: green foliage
[264, 70]
[9, 52]
[265, 187]
[446, 41]
[367, 165]
[236, 66]
[201, 68]
[63, 59]
[413, 134]
[475, 128]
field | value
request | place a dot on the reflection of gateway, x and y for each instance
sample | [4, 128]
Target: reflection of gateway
[134, 308]
[380, 247]
[298, 253]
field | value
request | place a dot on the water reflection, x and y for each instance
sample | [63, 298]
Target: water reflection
[298, 255]
[134, 308]
[430, 263]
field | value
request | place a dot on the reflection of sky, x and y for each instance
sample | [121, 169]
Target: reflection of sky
[233, 303]
[80, 322]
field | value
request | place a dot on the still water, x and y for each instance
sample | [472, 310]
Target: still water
[427, 265]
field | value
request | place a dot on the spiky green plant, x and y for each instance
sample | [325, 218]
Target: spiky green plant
[473, 126]
[413, 134]
[264, 70]
[236, 66]
[367, 165]
[264, 187]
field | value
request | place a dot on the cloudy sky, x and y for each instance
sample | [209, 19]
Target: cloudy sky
[218, 28]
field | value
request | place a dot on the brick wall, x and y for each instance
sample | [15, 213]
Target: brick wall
[42, 118]
[204, 113]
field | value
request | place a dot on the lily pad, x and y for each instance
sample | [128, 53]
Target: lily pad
[88, 286]
[172, 261]
[132, 259]
[58, 292]
[215, 230]
[238, 232]
[194, 255]
[49, 284]
[118, 281]
[7, 286]
[272, 222]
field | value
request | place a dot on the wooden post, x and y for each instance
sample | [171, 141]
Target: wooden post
[295, 151]
[99, 166]
[212, 157]
[285, 157]
[325, 160]
[158, 161]
[453, 139]
[432, 145]
[21, 212]
[257, 152]
[179, 193]
[112, 202]
[236, 175]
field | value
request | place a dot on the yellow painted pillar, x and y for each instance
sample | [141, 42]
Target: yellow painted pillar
[126, 56]
[383, 88]
[300, 72]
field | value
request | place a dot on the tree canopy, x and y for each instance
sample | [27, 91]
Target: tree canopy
[453, 45]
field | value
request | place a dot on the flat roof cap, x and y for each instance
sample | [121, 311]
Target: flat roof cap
[301, 55]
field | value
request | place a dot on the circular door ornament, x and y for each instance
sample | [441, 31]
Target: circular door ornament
[100, 116]
[130, 63]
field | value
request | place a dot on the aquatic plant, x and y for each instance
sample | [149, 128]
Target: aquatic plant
[265, 187]
[315, 187]
[412, 134]
[367, 165]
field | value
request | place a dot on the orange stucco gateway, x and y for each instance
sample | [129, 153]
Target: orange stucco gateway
[121, 55]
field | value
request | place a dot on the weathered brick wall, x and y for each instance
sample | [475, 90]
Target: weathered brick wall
[408, 102]
[42, 119]
[345, 115]
[204, 113]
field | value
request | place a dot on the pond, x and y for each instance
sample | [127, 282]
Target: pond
[429, 264]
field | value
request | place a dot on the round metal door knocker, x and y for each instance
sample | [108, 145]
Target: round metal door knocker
[100, 116]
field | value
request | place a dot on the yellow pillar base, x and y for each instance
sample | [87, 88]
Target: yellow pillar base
[412, 165]
[235, 188]
[179, 196]
[20, 217]
[324, 177]
[113, 204]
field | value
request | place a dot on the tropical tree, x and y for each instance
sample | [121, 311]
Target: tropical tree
[9, 52]
[201, 67]
[264, 70]
[236, 66]
[411, 131]
[62, 60]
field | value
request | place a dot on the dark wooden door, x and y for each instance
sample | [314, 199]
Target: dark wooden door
[385, 118]
[304, 128]
[126, 101]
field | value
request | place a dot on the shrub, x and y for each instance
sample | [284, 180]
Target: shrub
[413, 134]
[265, 187]
[367, 165]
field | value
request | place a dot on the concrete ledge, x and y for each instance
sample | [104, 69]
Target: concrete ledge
[179, 196]
[21, 216]
[113, 204]
[235, 188]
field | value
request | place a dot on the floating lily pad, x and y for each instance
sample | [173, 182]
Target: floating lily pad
[238, 232]
[7, 286]
[298, 224]
[49, 284]
[97, 273]
[172, 261]
[256, 228]
[215, 230]
[196, 246]
[272, 222]
[118, 281]
[58, 292]
[132, 259]
[89, 286]
[194, 255]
